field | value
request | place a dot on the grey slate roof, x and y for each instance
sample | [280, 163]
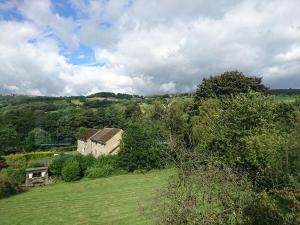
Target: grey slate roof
[105, 135]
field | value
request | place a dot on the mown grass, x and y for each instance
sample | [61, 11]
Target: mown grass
[123, 199]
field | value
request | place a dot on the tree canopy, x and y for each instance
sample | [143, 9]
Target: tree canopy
[228, 83]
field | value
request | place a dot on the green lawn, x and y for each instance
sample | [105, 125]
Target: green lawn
[114, 200]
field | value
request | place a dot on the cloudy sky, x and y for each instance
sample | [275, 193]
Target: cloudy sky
[77, 47]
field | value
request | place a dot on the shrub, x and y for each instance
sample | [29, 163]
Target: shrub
[16, 160]
[17, 175]
[103, 167]
[7, 186]
[64, 149]
[34, 164]
[97, 172]
[84, 161]
[246, 133]
[275, 207]
[20, 159]
[207, 195]
[57, 164]
[71, 170]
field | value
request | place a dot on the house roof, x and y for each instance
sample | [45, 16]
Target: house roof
[105, 135]
[87, 134]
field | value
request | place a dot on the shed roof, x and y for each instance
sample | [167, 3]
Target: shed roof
[36, 169]
[105, 135]
[87, 134]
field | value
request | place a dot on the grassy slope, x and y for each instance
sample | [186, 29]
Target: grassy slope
[113, 200]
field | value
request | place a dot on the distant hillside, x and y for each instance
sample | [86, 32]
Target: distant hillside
[113, 95]
[284, 91]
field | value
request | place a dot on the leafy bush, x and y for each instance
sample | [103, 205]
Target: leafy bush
[103, 167]
[17, 175]
[34, 164]
[142, 148]
[16, 160]
[246, 132]
[275, 207]
[71, 170]
[84, 161]
[57, 164]
[7, 186]
[20, 159]
[64, 149]
[207, 195]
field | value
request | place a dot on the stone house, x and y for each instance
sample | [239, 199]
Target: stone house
[100, 142]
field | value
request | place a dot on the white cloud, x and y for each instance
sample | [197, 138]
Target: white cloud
[149, 46]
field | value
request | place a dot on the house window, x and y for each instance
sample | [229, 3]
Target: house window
[30, 175]
[37, 174]
[43, 174]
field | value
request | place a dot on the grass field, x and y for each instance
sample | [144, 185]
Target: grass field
[114, 200]
[285, 98]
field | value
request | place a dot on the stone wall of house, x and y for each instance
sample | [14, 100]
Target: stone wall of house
[84, 147]
[81, 146]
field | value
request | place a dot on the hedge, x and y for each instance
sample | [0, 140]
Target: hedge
[20, 159]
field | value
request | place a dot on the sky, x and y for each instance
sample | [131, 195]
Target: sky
[79, 47]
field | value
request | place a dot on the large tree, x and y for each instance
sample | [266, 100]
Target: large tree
[228, 83]
[142, 148]
[37, 137]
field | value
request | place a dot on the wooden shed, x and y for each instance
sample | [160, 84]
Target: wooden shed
[36, 176]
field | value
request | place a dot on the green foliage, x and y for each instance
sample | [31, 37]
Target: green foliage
[208, 195]
[16, 160]
[246, 132]
[205, 122]
[37, 137]
[71, 170]
[275, 207]
[56, 165]
[266, 154]
[142, 148]
[84, 161]
[104, 166]
[17, 175]
[20, 159]
[7, 186]
[8, 137]
[35, 164]
[227, 84]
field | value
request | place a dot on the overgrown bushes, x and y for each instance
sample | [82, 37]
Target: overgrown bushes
[17, 175]
[142, 148]
[20, 159]
[7, 186]
[104, 166]
[274, 207]
[246, 132]
[209, 194]
[63, 166]
[71, 170]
